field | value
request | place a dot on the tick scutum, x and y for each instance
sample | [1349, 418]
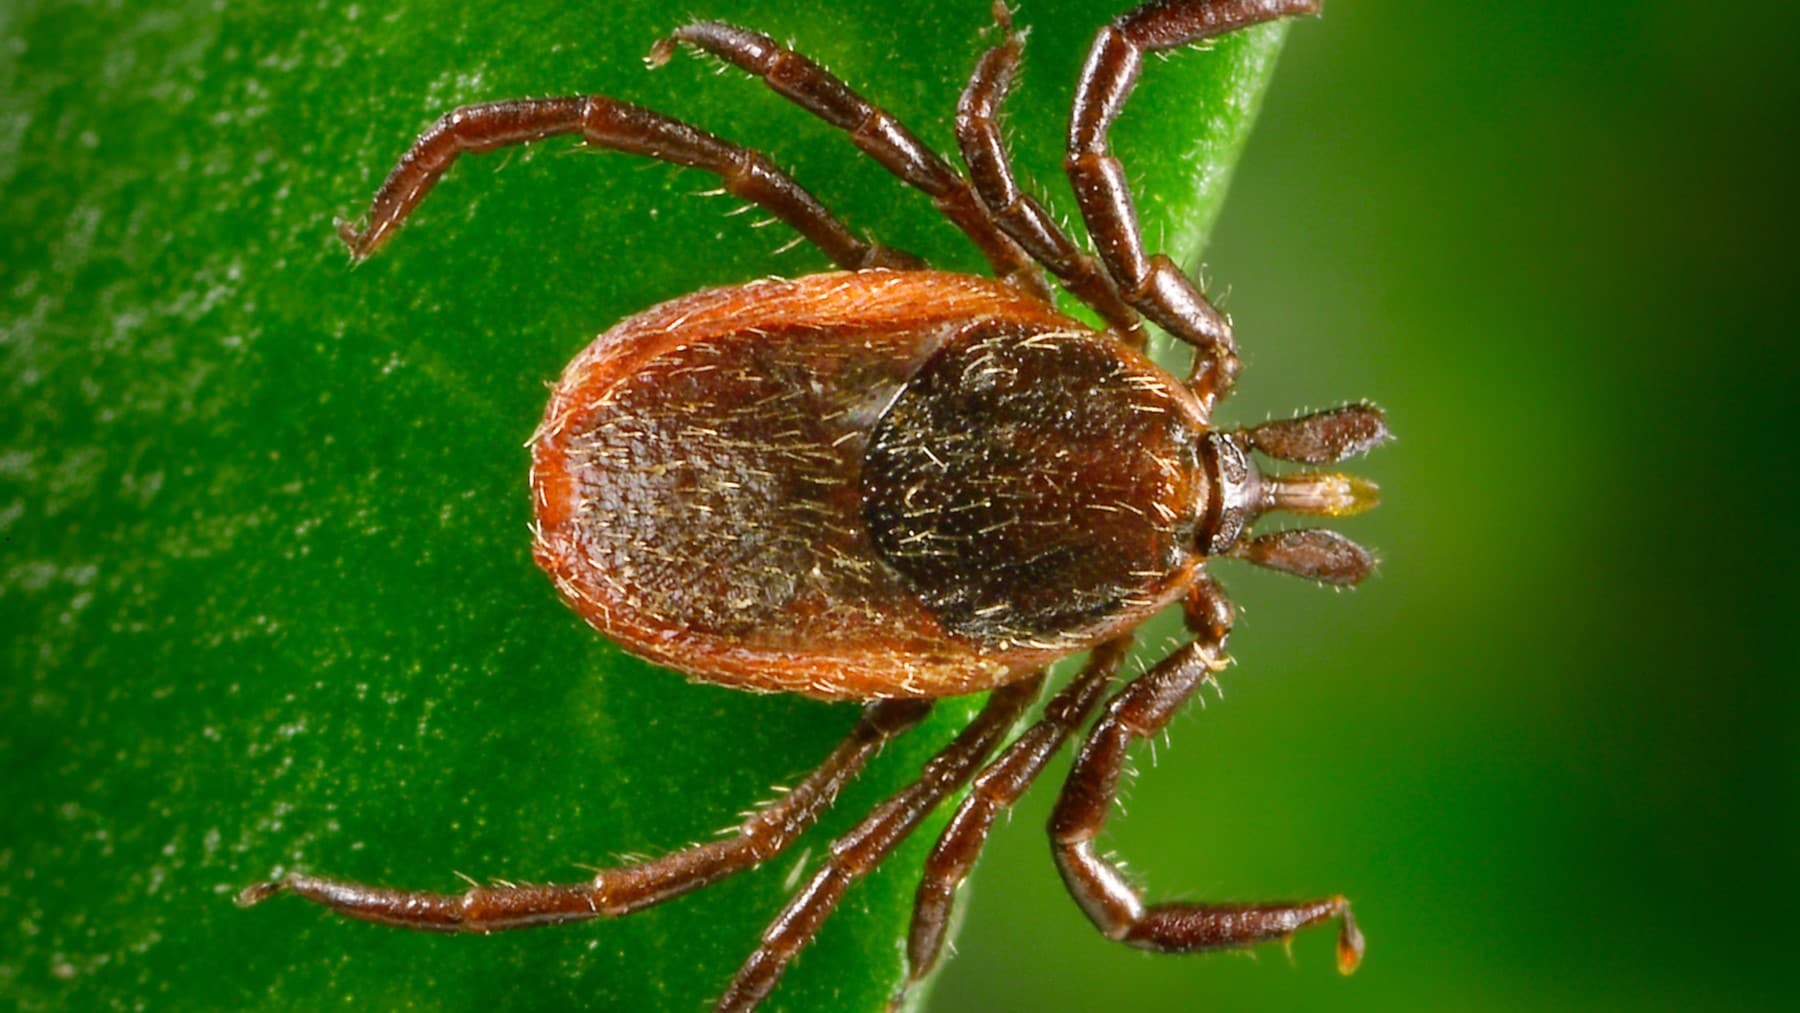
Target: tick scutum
[1038, 489]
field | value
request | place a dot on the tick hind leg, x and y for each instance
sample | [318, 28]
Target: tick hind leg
[615, 892]
[617, 126]
[858, 852]
[1152, 282]
[993, 792]
[872, 129]
[1140, 711]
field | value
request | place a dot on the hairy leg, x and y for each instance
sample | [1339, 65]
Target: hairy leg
[855, 854]
[1017, 213]
[994, 790]
[615, 892]
[616, 126]
[1152, 283]
[872, 129]
[1140, 711]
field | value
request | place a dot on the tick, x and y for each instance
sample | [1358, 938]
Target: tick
[892, 485]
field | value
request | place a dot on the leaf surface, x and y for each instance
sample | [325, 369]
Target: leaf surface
[267, 582]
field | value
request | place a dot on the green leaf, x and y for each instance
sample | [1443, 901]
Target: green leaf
[267, 586]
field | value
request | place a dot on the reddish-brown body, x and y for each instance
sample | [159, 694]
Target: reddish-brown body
[892, 484]
[872, 484]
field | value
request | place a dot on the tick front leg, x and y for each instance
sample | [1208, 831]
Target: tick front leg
[615, 892]
[1152, 283]
[1140, 711]
[616, 126]
[1017, 213]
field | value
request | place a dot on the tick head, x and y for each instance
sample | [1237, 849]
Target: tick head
[1244, 492]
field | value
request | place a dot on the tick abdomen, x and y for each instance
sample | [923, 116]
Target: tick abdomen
[863, 485]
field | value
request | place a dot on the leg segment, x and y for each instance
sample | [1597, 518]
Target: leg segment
[878, 134]
[1018, 214]
[617, 126]
[1152, 283]
[1139, 711]
[994, 790]
[615, 892]
[853, 855]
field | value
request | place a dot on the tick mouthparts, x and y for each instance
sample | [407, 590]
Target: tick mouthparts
[1320, 493]
[1313, 553]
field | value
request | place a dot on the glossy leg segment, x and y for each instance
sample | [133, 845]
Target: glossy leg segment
[616, 126]
[855, 854]
[1140, 711]
[994, 790]
[615, 892]
[1017, 213]
[1152, 283]
[872, 129]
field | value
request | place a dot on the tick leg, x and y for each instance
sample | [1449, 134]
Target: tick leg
[875, 131]
[1140, 711]
[617, 126]
[1152, 283]
[1018, 214]
[615, 892]
[855, 854]
[993, 791]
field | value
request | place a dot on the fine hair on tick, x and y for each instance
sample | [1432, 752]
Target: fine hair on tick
[892, 484]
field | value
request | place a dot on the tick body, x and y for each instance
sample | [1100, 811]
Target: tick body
[892, 485]
[863, 485]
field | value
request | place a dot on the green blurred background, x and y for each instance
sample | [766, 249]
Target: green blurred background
[266, 596]
[1551, 749]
